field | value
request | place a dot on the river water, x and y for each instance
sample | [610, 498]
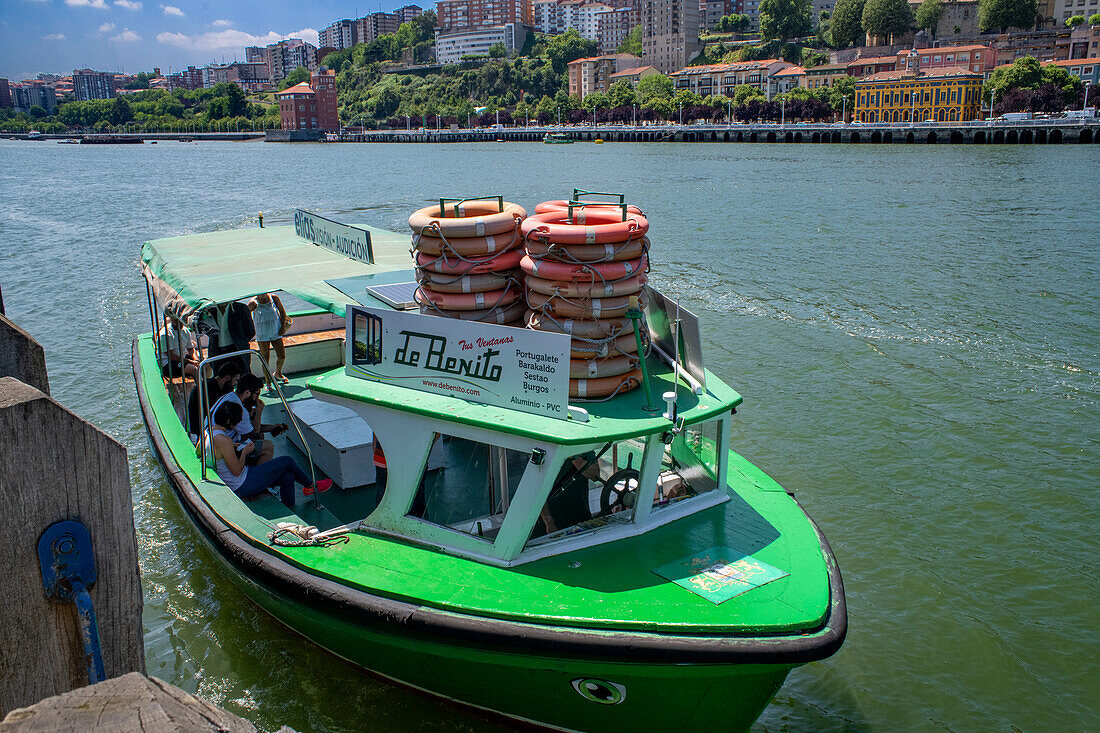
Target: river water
[914, 329]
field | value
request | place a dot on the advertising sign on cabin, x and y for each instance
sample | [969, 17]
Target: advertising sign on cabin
[349, 241]
[497, 365]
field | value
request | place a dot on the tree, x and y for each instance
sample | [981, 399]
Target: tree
[654, 87]
[1004, 14]
[622, 94]
[632, 44]
[568, 46]
[846, 23]
[887, 17]
[1094, 19]
[1029, 75]
[37, 112]
[783, 19]
[929, 14]
[299, 75]
[120, 111]
[497, 51]
[733, 23]
[1074, 21]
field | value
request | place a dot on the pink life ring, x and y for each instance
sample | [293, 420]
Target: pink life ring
[511, 315]
[581, 328]
[452, 265]
[467, 246]
[587, 253]
[477, 283]
[583, 272]
[563, 205]
[598, 349]
[589, 308]
[610, 289]
[611, 366]
[468, 301]
[599, 227]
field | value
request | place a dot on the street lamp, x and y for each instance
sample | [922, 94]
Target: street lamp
[681, 114]
[595, 122]
[634, 115]
[729, 112]
[783, 113]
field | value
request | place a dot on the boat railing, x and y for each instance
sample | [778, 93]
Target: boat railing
[204, 406]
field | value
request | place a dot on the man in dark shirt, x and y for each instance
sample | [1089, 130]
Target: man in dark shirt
[229, 371]
[235, 331]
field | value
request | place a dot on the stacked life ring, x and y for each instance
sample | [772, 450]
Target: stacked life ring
[467, 260]
[584, 263]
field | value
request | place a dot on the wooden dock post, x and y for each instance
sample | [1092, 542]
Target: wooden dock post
[55, 466]
[21, 356]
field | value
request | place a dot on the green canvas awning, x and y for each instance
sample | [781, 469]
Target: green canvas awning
[192, 272]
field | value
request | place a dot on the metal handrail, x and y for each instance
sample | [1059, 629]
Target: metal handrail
[204, 401]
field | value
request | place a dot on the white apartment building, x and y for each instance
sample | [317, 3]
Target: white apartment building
[338, 35]
[558, 16]
[451, 47]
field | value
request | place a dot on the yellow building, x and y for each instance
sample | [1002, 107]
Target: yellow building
[949, 94]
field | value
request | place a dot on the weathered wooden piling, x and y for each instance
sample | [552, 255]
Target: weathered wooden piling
[54, 466]
[21, 356]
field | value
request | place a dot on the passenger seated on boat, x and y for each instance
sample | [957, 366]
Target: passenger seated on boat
[228, 373]
[247, 395]
[179, 354]
[568, 504]
[246, 481]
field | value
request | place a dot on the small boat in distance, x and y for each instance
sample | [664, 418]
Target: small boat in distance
[110, 140]
[599, 565]
[558, 138]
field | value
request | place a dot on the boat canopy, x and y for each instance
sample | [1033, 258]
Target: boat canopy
[189, 273]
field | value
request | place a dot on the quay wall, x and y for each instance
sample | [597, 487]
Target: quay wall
[935, 133]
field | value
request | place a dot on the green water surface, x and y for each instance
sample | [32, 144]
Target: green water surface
[914, 330]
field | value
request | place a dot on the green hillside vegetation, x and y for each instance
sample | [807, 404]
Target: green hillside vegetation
[222, 107]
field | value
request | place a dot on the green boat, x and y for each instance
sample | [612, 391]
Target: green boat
[596, 566]
[557, 138]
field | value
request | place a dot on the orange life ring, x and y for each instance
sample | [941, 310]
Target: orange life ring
[590, 308]
[563, 205]
[467, 246]
[611, 366]
[451, 265]
[468, 301]
[580, 348]
[581, 328]
[478, 283]
[588, 253]
[582, 272]
[610, 289]
[599, 227]
[604, 386]
[469, 219]
[511, 315]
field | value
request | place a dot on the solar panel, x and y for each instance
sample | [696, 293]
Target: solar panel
[398, 295]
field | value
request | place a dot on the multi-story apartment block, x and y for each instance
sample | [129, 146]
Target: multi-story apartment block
[910, 94]
[825, 75]
[451, 47]
[670, 39]
[5, 94]
[370, 27]
[407, 12]
[558, 16]
[88, 84]
[593, 74]
[284, 57]
[1066, 9]
[1088, 71]
[312, 105]
[711, 11]
[462, 14]
[725, 78]
[250, 76]
[975, 58]
[339, 35]
[614, 26]
[255, 54]
[33, 94]
[872, 65]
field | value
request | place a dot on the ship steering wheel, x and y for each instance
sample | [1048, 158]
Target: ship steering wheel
[619, 490]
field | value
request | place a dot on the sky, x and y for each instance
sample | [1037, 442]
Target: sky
[57, 36]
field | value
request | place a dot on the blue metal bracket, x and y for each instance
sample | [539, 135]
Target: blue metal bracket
[68, 572]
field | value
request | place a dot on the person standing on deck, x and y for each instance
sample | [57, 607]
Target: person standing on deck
[235, 331]
[271, 321]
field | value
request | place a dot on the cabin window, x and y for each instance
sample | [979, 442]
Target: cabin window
[467, 486]
[690, 466]
[593, 489]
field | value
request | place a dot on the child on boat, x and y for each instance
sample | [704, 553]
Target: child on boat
[246, 481]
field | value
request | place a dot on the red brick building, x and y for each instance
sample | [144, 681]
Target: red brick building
[310, 106]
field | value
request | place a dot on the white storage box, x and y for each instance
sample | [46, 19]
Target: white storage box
[341, 442]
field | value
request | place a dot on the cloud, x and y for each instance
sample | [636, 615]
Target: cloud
[106, 27]
[126, 36]
[171, 10]
[128, 4]
[219, 40]
[97, 4]
[222, 23]
[54, 37]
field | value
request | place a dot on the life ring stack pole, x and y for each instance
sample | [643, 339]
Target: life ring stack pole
[586, 265]
[467, 254]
